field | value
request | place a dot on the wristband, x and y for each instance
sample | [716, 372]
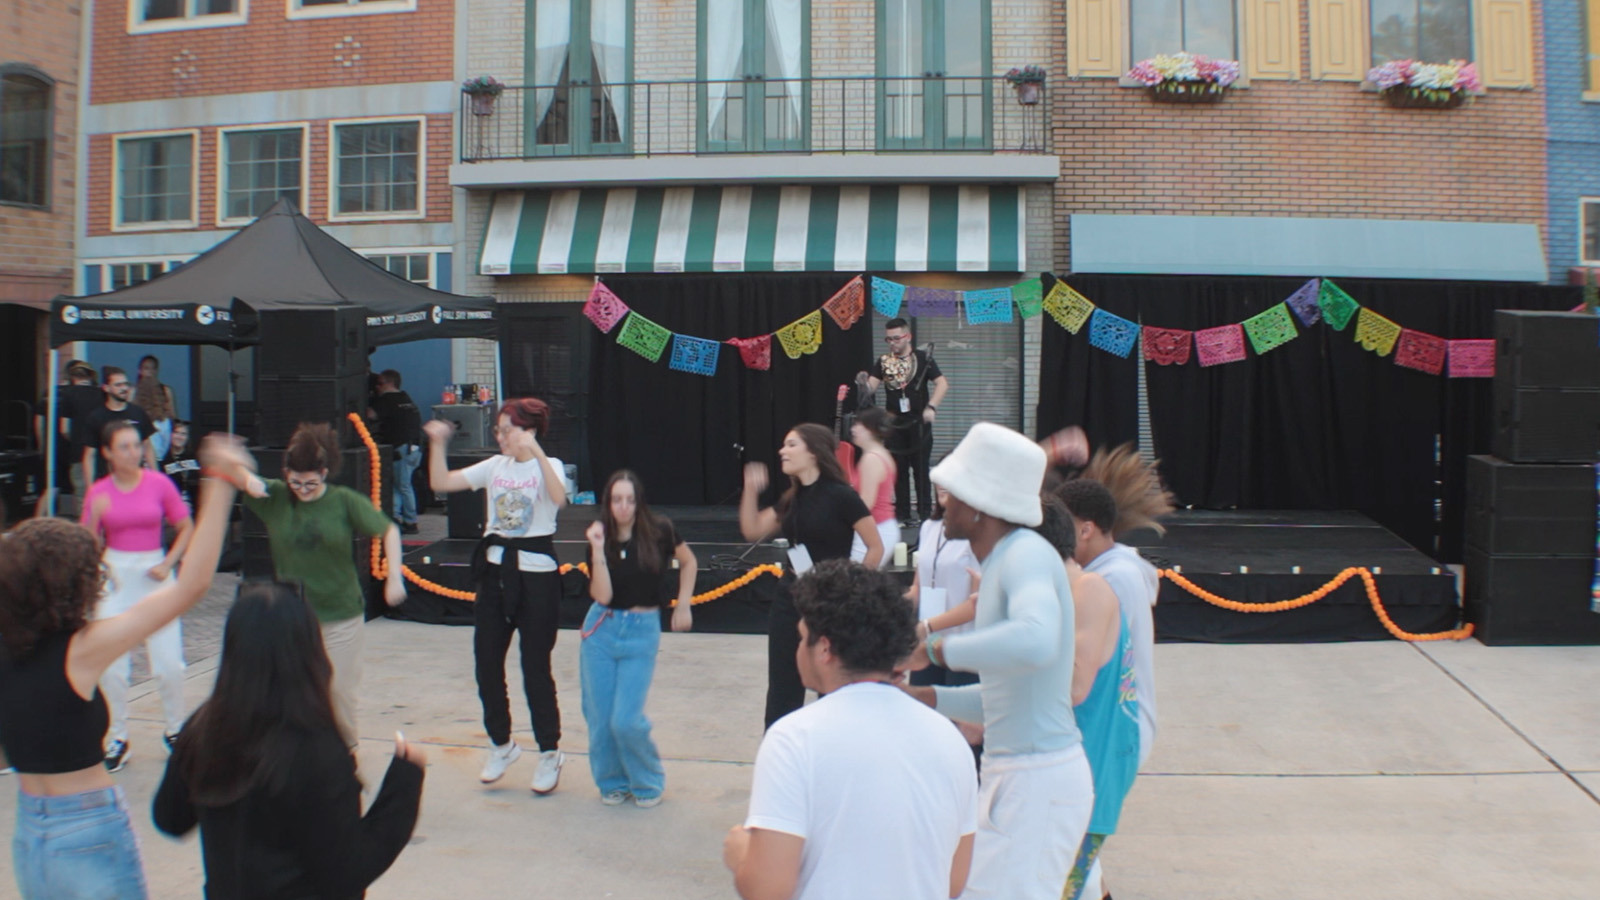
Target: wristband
[933, 406]
[936, 650]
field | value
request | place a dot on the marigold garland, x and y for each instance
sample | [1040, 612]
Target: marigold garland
[1371, 583]
[380, 566]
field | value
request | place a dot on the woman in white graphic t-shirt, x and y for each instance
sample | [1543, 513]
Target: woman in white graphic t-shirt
[516, 579]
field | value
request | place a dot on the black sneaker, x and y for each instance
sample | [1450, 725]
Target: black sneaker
[171, 740]
[116, 756]
[409, 528]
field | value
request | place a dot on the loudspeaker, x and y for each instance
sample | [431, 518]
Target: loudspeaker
[1529, 508]
[1530, 599]
[474, 425]
[1546, 424]
[466, 512]
[283, 402]
[354, 473]
[1538, 349]
[313, 343]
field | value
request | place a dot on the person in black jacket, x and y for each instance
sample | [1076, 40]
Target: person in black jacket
[262, 768]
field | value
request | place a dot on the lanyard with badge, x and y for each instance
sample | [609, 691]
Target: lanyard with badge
[799, 556]
[931, 600]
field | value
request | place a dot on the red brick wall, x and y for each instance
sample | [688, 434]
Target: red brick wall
[314, 193]
[1305, 148]
[269, 52]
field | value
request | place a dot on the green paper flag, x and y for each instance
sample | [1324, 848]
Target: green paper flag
[1338, 308]
[1270, 329]
[1029, 297]
[643, 337]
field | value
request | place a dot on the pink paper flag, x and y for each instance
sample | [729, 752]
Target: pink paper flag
[604, 308]
[1472, 358]
[1421, 351]
[1223, 344]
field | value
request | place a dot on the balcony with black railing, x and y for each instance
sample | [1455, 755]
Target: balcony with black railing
[756, 115]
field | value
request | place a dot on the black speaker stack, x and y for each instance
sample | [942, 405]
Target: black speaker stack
[311, 367]
[1531, 506]
[466, 511]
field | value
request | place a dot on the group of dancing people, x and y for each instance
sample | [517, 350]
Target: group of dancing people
[265, 769]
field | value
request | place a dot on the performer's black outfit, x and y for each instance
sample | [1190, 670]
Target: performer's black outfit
[905, 383]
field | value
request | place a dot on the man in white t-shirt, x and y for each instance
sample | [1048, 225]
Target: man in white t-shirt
[865, 793]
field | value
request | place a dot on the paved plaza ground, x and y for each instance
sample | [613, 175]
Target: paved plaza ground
[1281, 771]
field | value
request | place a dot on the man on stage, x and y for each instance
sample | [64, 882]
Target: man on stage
[914, 388]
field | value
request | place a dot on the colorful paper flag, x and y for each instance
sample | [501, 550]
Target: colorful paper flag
[1376, 333]
[1471, 358]
[1337, 306]
[1304, 302]
[756, 352]
[695, 355]
[1029, 297]
[1112, 333]
[985, 307]
[887, 297]
[643, 337]
[1270, 329]
[848, 304]
[1167, 346]
[802, 336]
[604, 308]
[932, 302]
[1223, 344]
[1069, 308]
[1421, 351]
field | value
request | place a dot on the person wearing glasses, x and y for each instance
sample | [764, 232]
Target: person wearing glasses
[516, 579]
[913, 389]
[117, 407]
[311, 525]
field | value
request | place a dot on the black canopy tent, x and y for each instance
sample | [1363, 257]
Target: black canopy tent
[280, 261]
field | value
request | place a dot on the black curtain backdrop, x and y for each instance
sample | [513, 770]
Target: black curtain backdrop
[679, 431]
[1317, 423]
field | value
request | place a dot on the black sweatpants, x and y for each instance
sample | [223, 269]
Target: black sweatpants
[785, 692]
[535, 625]
[911, 447]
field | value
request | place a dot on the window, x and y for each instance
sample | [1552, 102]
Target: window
[1593, 68]
[1208, 27]
[25, 125]
[123, 275]
[155, 177]
[414, 267]
[1590, 224]
[934, 58]
[1426, 30]
[306, 9]
[580, 56]
[377, 168]
[258, 168]
[168, 15]
[753, 57]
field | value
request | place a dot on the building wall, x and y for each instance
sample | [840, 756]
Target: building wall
[1573, 112]
[36, 244]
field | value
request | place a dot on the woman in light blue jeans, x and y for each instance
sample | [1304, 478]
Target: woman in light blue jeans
[629, 549]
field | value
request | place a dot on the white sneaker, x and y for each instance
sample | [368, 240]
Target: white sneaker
[549, 771]
[615, 798]
[500, 759]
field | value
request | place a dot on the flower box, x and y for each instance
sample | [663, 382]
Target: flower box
[1187, 92]
[1186, 77]
[1408, 84]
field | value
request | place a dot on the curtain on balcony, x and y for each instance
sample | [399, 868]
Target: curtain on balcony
[784, 31]
[724, 58]
[608, 40]
[551, 37]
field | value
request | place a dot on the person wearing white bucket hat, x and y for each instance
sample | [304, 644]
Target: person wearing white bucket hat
[1037, 792]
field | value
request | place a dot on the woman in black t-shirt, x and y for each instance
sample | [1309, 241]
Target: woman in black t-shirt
[629, 549]
[819, 514]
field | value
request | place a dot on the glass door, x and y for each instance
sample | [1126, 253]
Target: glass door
[754, 56]
[933, 62]
[578, 104]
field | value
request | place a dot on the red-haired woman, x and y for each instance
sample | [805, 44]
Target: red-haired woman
[516, 578]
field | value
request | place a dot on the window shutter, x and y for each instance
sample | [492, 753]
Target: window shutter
[1272, 38]
[1594, 45]
[1096, 38]
[1505, 43]
[1339, 40]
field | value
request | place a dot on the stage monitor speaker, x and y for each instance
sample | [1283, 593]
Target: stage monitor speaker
[474, 425]
[1530, 599]
[313, 343]
[1546, 424]
[466, 511]
[1540, 349]
[1530, 508]
[283, 402]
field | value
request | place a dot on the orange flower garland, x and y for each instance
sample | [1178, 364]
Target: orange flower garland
[380, 566]
[1371, 583]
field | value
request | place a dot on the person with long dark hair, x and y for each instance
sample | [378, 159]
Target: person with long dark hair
[263, 770]
[158, 402]
[873, 478]
[629, 550]
[74, 839]
[126, 510]
[516, 579]
[818, 514]
[311, 526]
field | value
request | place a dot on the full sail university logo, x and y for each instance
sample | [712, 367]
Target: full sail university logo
[205, 315]
[69, 315]
[438, 315]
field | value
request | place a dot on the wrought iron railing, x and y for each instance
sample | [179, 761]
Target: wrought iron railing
[934, 114]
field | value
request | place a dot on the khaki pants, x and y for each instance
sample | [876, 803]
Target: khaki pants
[345, 641]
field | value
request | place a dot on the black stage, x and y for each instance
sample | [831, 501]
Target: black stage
[1207, 547]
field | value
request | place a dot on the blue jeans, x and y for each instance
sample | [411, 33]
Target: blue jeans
[406, 461]
[617, 661]
[77, 847]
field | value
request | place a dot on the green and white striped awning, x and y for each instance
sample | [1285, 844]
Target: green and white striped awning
[757, 228]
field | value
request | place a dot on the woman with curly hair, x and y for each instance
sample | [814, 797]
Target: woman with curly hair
[73, 839]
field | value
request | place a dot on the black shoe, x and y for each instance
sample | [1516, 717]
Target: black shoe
[116, 756]
[409, 528]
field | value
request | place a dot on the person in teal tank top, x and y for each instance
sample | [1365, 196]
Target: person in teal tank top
[1109, 721]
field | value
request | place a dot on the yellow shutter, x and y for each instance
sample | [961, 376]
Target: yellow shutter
[1096, 38]
[1339, 40]
[1272, 38]
[1594, 45]
[1505, 43]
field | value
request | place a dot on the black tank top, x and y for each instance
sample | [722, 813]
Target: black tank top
[45, 727]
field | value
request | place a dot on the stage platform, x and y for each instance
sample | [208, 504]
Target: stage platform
[1207, 547]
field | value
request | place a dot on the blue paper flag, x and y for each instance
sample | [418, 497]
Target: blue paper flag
[993, 305]
[1113, 333]
[1305, 303]
[887, 297]
[696, 355]
[931, 302]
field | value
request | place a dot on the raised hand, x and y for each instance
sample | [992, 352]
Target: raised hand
[596, 535]
[755, 476]
[438, 430]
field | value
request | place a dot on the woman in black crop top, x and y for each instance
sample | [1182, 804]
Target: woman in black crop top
[263, 769]
[73, 837]
[819, 515]
[630, 549]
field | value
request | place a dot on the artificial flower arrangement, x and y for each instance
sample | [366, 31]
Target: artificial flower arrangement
[482, 85]
[1406, 82]
[1027, 81]
[1186, 77]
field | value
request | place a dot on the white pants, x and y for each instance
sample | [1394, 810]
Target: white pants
[129, 582]
[1033, 811]
[345, 642]
[888, 533]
